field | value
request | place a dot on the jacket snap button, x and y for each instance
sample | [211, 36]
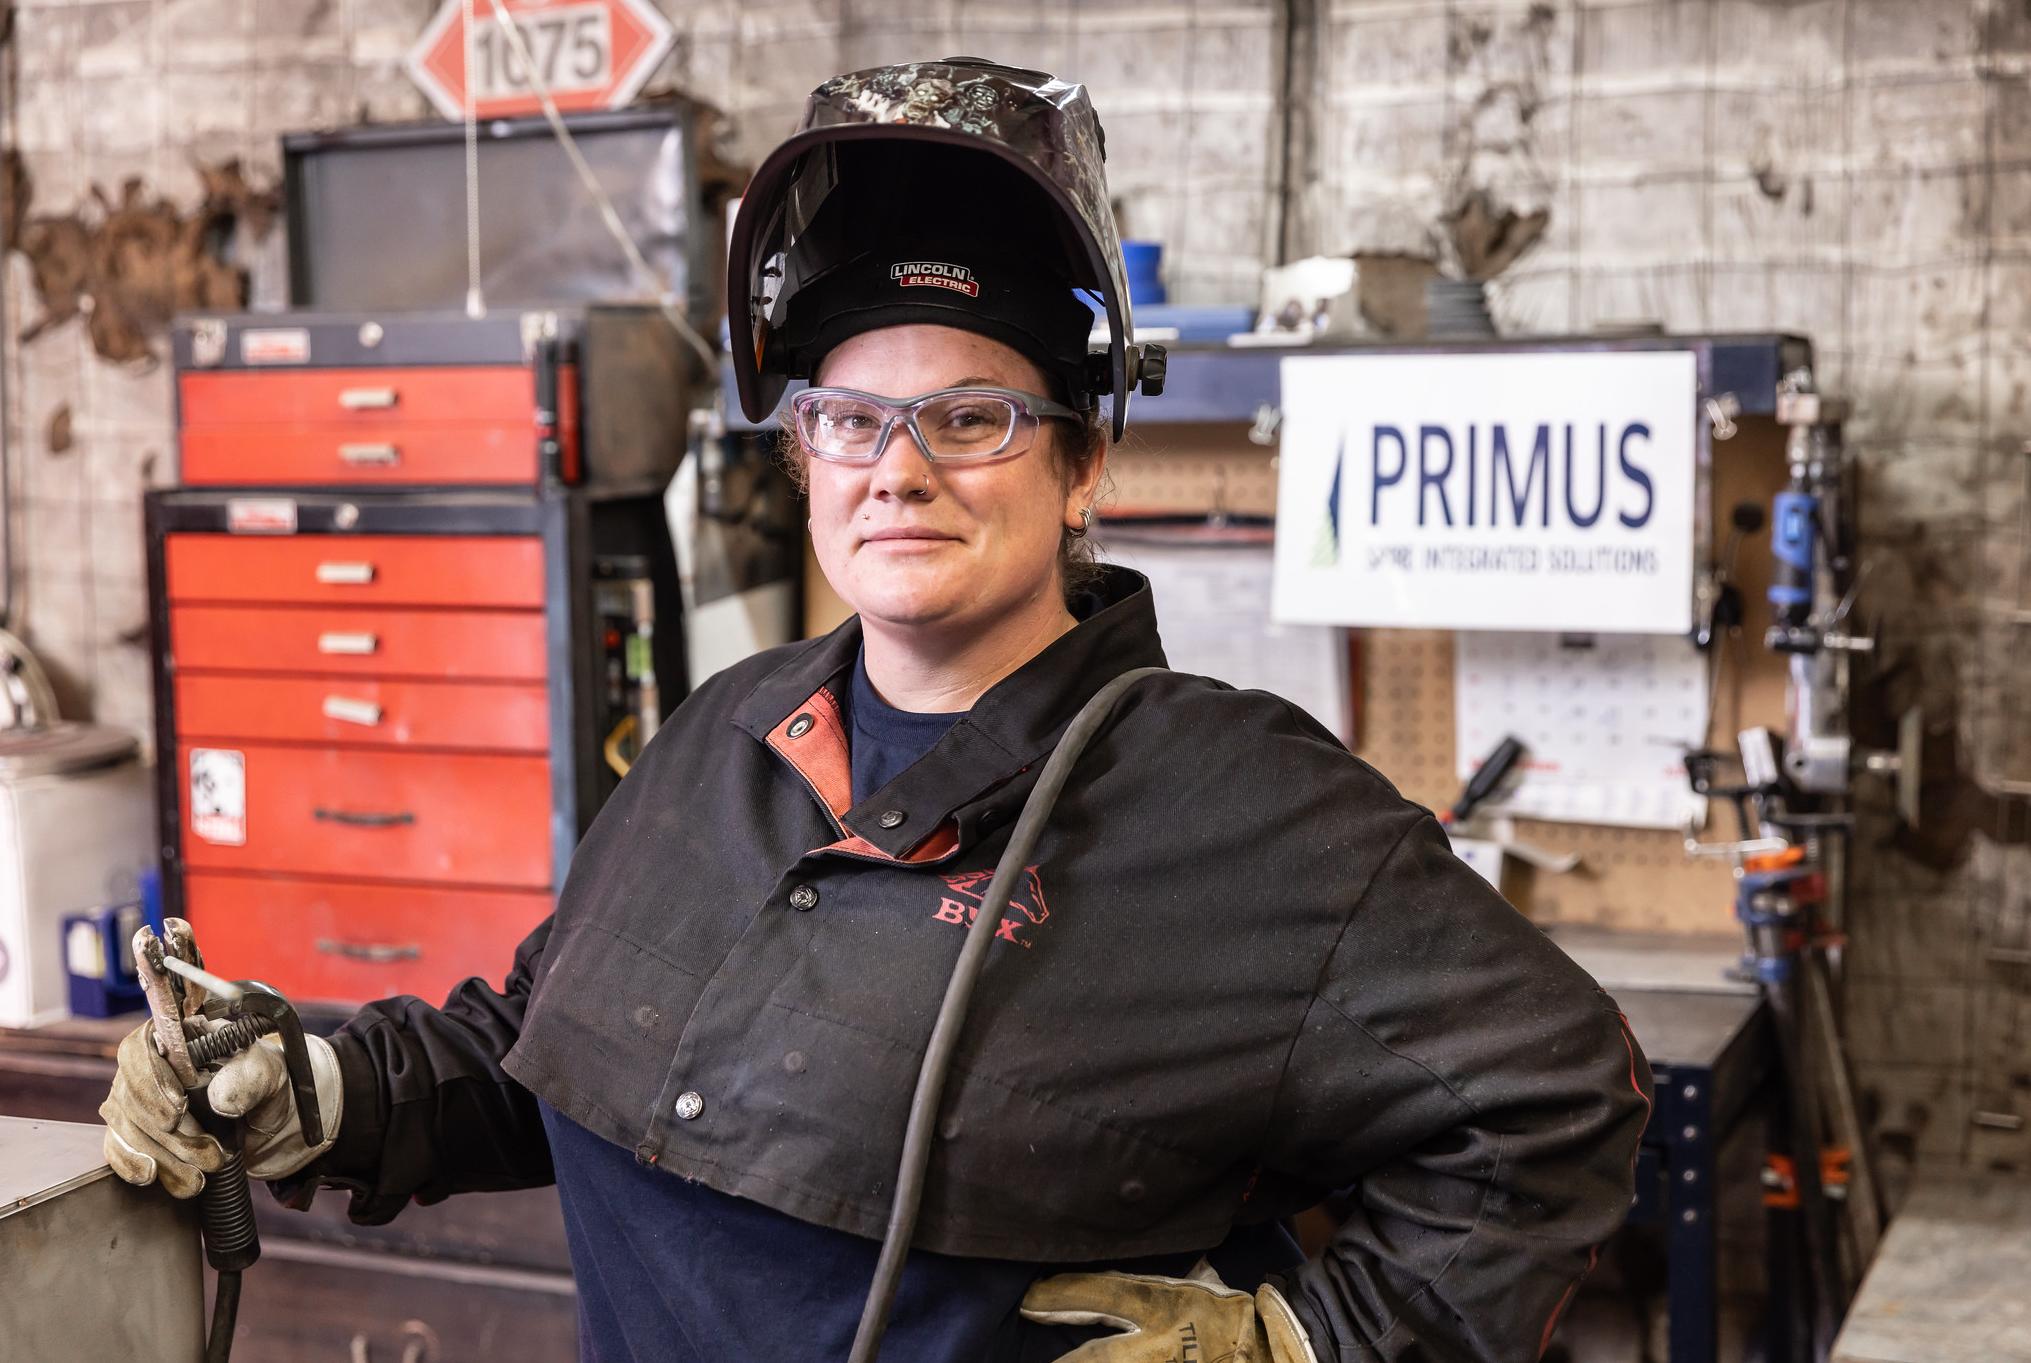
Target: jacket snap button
[800, 726]
[892, 818]
[1131, 1191]
[689, 1105]
[803, 897]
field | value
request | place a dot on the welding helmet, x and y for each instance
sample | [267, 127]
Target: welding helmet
[958, 192]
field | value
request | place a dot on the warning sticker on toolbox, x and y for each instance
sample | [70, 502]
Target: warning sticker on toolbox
[275, 345]
[218, 795]
[261, 516]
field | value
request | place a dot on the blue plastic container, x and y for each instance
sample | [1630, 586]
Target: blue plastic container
[1143, 262]
[98, 953]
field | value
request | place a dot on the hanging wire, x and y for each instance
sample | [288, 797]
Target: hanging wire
[636, 260]
[475, 299]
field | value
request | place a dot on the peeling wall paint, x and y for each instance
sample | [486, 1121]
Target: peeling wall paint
[128, 265]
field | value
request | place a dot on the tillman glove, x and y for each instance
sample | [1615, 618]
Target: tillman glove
[1166, 1319]
[152, 1136]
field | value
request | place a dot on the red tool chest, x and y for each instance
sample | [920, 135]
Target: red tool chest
[390, 600]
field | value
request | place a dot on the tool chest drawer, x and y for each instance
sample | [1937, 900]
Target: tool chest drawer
[448, 818]
[361, 397]
[348, 570]
[476, 716]
[338, 942]
[508, 645]
[310, 1303]
[270, 454]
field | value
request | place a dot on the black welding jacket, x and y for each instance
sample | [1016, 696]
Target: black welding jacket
[1241, 973]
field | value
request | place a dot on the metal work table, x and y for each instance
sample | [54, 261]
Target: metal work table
[1709, 1052]
[1952, 1281]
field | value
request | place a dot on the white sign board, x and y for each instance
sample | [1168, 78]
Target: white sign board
[1534, 491]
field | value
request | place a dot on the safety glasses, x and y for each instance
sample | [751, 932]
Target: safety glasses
[950, 425]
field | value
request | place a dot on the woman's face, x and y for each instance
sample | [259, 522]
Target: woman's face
[979, 544]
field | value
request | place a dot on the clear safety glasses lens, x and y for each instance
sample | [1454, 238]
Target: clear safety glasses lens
[960, 425]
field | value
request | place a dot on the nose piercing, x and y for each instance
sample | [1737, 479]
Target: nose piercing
[925, 490]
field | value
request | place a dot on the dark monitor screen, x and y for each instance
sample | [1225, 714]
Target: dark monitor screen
[377, 215]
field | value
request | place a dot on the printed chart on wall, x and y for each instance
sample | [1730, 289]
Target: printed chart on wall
[1553, 491]
[1212, 593]
[1605, 720]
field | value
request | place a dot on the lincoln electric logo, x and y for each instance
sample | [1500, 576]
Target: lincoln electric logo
[1026, 908]
[932, 274]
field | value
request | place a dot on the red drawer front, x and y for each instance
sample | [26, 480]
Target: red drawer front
[333, 942]
[369, 397]
[379, 452]
[489, 716]
[432, 644]
[451, 818]
[396, 570]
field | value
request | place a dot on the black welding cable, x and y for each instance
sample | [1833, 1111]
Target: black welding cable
[881, 1293]
[225, 1314]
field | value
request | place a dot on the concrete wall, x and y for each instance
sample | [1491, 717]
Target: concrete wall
[1852, 169]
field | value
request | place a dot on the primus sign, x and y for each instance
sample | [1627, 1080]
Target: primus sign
[1518, 491]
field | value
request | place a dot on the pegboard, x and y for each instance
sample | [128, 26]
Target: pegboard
[1630, 878]
[1195, 468]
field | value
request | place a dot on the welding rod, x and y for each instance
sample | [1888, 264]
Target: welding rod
[225, 989]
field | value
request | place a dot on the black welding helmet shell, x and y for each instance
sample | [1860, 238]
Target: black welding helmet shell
[983, 160]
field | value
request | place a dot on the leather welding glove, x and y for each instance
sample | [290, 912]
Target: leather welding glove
[1165, 1319]
[254, 1086]
[151, 1135]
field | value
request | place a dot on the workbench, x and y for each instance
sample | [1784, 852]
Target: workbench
[1708, 1053]
[1712, 1059]
[1952, 1281]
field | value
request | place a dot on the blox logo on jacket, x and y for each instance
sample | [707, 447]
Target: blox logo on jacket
[967, 889]
[935, 274]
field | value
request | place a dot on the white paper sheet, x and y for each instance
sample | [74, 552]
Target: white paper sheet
[1213, 614]
[1605, 726]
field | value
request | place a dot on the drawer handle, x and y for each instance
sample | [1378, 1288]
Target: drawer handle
[345, 574]
[369, 455]
[349, 711]
[366, 399]
[350, 644]
[371, 951]
[353, 819]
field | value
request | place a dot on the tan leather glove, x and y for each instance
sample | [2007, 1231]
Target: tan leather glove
[254, 1086]
[1166, 1319]
[151, 1135]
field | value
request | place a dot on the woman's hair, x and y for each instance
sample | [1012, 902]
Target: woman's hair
[1070, 450]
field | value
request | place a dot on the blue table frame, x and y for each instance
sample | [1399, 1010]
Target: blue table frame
[1709, 1055]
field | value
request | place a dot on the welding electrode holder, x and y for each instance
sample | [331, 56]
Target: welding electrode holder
[225, 1204]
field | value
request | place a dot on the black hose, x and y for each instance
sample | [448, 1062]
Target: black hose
[225, 1312]
[226, 1215]
[917, 1136]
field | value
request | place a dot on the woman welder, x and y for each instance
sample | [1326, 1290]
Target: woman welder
[1239, 974]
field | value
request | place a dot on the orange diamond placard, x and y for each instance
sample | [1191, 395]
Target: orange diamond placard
[589, 54]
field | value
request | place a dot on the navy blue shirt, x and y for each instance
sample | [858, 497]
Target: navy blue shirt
[671, 1271]
[886, 740]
